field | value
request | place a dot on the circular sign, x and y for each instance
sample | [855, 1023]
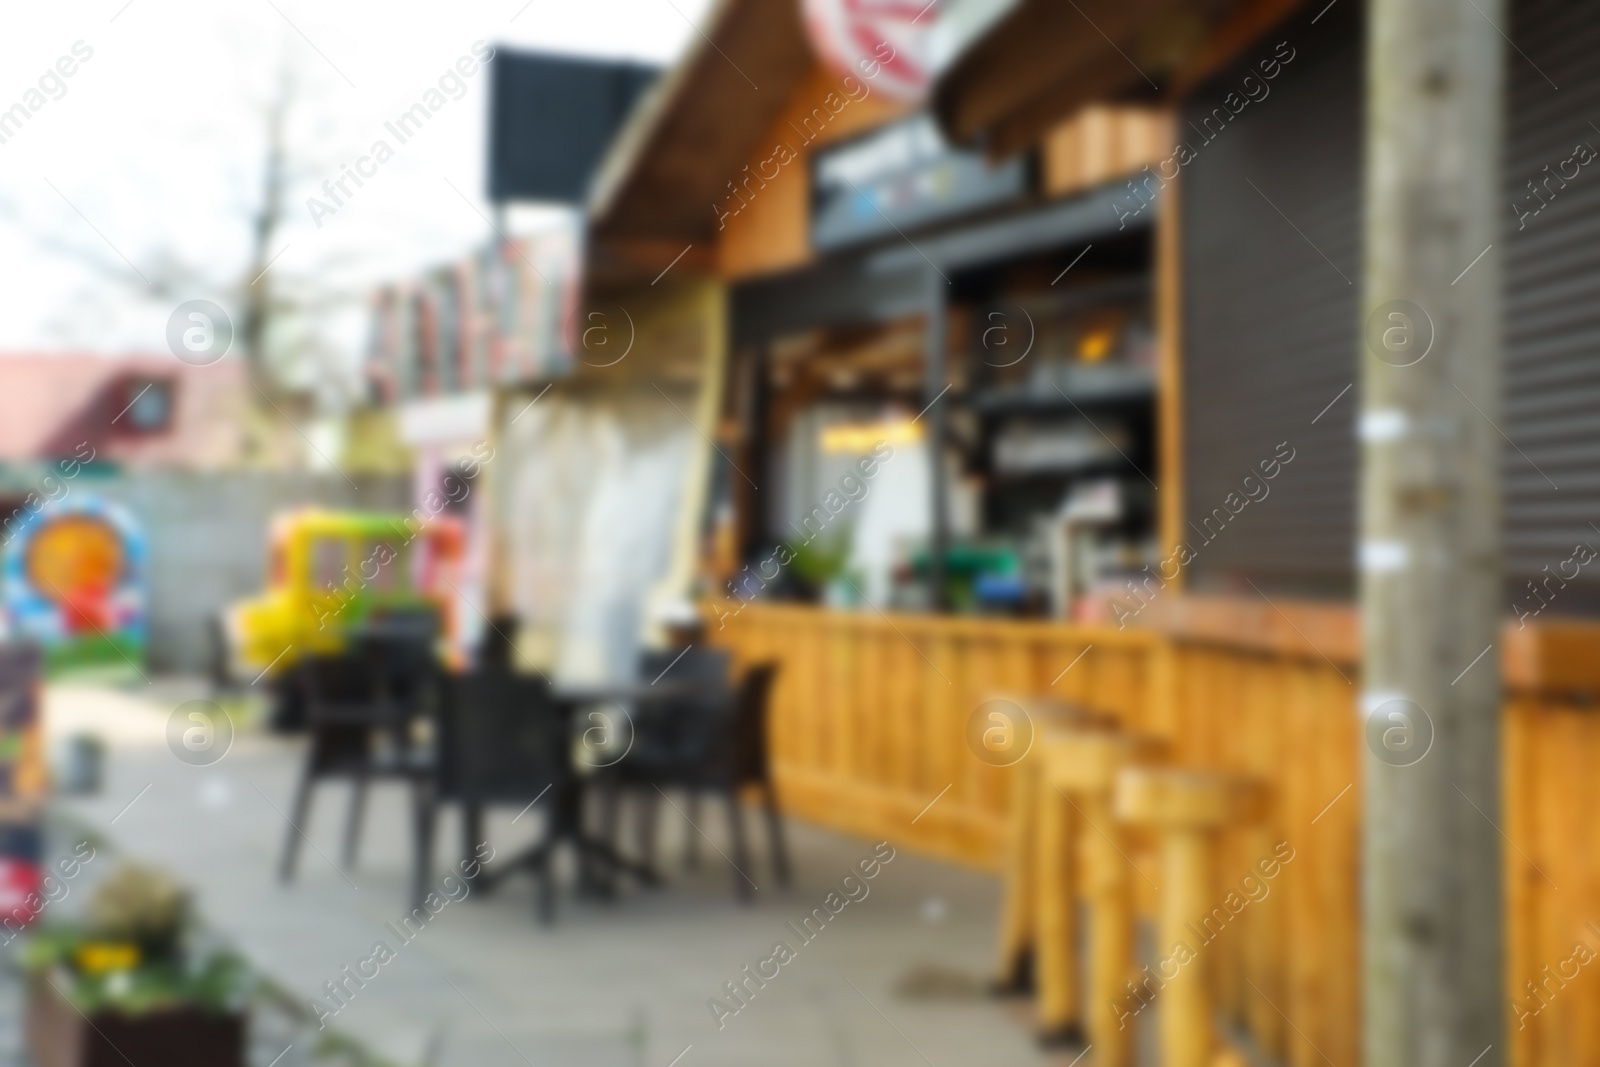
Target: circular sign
[1399, 732]
[199, 332]
[999, 732]
[1399, 332]
[886, 43]
[199, 733]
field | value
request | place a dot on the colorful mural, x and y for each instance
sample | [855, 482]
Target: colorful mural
[74, 582]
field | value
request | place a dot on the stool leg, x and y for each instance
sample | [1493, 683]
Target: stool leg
[1187, 1039]
[1110, 934]
[1017, 914]
[1265, 934]
[1056, 943]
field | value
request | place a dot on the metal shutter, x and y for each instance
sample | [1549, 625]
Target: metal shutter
[1270, 328]
[1552, 270]
[1271, 314]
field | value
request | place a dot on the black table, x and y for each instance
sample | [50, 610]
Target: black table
[566, 811]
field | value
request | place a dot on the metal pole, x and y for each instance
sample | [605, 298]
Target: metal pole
[1431, 594]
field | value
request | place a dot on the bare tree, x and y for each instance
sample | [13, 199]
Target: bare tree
[276, 312]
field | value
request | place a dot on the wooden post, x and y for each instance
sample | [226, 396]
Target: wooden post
[937, 288]
[1038, 922]
[1110, 933]
[1187, 808]
[1056, 904]
[1431, 596]
[1014, 972]
[1084, 765]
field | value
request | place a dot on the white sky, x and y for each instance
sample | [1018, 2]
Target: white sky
[157, 141]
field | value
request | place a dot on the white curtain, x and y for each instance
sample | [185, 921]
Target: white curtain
[589, 519]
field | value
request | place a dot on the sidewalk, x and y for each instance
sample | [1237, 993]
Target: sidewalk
[623, 983]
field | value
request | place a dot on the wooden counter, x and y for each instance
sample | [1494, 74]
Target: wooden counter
[869, 730]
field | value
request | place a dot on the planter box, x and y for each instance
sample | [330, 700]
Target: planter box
[60, 1036]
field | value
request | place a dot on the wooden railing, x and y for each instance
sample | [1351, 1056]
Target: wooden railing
[869, 735]
[868, 721]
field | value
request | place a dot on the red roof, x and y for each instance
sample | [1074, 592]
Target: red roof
[51, 404]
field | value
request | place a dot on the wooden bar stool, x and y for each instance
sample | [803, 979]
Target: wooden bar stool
[1186, 808]
[1081, 769]
[1029, 865]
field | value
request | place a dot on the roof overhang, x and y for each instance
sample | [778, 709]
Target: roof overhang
[1008, 70]
[690, 135]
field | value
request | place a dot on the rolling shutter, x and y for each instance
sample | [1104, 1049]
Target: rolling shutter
[1271, 220]
[1270, 325]
[1552, 271]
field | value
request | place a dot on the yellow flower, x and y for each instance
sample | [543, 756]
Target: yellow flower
[100, 957]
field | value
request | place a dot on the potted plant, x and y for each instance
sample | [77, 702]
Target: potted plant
[128, 986]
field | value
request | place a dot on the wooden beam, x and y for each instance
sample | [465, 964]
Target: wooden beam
[1433, 980]
[1242, 28]
[937, 381]
[1169, 396]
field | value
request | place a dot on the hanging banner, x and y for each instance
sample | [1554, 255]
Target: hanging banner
[74, 583]
[886, 41]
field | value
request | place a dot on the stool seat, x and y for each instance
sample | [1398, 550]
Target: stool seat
[1173, 798]
[1088, 761]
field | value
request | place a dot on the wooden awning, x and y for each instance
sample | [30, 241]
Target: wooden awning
[690, 136]
[1011, 69]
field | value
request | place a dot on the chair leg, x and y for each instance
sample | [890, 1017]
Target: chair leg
[646, 809]
[691, 844]
[424, 813]
[741, 852]
[471, 831]
[609, 800]
[780, 850]
[547, 891]
[352, 824]
[297, 822]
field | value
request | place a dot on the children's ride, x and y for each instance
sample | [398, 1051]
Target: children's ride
[332, 573]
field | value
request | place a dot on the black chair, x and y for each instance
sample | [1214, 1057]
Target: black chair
[504, 739]
[718, 746]
[501, 740]
[360, 724]
[687, 664]
[658, 730]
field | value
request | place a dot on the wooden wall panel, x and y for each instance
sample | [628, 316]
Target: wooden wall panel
[770, 231]
[1100, 143]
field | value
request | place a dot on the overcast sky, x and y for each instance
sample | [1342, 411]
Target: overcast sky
[152, 145]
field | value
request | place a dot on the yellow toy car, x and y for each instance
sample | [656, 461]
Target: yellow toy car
[330, 572]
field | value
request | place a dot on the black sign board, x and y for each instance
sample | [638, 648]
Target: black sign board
[551, 119]
[900, 176]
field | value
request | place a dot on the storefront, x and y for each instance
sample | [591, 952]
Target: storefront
[1006, 357]
[1181, 422]
[988, 328]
